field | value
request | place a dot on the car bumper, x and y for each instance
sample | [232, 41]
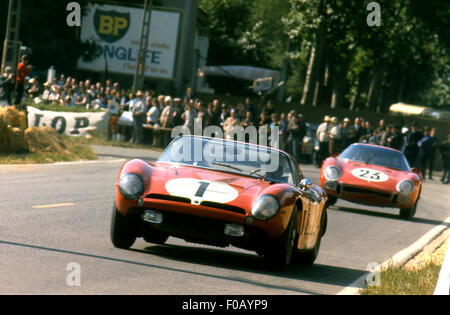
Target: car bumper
[199, 219]
[368, 195]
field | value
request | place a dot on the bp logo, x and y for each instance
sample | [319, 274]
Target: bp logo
[111, 25]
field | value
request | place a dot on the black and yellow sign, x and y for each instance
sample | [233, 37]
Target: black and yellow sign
[111, 25]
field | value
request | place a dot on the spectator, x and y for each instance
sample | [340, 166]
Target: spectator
[230, 125]
[47, 91]
[395, 140]
[444, 148]
[34, 90]
[347, 133]
[138, 111]
[114, 114]
[411, 145]
[322, 136]
[334, 137]
[6, 86]
[165, 114]
[23, 70]
[427, 150]
[296, 131]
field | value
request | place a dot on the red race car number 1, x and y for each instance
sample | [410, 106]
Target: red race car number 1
[370, 175]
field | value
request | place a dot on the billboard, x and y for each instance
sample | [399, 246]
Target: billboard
[117, 29]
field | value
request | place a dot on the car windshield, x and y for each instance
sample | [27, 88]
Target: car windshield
[234, 157]
[377, 156]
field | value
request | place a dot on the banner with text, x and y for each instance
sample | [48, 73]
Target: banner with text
[69, 123]
[116, 30]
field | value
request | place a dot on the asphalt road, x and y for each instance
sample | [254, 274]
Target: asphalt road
[53, 215]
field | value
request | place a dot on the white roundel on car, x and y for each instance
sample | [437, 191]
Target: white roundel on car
[198, 190]
[370, 175]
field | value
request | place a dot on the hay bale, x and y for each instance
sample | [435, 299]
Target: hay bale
[17, 139]
[5, 141]
[44, 139]
[13, 117]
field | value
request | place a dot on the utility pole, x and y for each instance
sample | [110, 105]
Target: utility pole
[11, 45]
[138, 80]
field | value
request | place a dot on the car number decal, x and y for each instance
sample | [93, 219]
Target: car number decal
[201, 190]
[370, 175]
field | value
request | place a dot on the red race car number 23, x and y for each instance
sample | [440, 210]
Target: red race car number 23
[370, 175]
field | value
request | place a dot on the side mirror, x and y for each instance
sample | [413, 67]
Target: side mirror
[416, 170]
[305, 184]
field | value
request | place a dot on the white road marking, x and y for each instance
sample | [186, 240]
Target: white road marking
[55, 205]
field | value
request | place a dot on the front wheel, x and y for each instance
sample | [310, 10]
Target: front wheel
[408, 213]
[123, 234]
[279, 252]
[308, 257]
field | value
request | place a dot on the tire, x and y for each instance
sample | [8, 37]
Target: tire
[123, 234]
[408, 213]
[308, 257]
[331, 201]
[154, 236]
[279, 252]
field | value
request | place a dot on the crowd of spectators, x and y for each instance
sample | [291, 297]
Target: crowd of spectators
[419, 145]
[161, 113]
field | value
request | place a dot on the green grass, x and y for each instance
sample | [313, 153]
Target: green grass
[97, 140]
[74, 152]
[402, 281]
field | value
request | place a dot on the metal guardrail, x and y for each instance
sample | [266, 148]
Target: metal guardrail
[443, 283]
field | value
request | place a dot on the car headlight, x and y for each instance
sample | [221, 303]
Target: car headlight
[405, 186]
[265, 207]
[131, 186]
[333, 173]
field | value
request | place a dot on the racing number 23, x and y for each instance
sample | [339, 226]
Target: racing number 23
[369, 175]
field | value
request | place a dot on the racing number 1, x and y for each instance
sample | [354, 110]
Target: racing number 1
[201, 189]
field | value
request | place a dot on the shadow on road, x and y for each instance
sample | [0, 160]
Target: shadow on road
[248, 262]
[387, 215]
[224, 259]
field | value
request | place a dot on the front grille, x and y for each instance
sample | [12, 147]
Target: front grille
[169, 198]
[223, 206]
[357, 190]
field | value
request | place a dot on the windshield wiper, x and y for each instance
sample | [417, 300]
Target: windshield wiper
[228, 165]
[252, 173]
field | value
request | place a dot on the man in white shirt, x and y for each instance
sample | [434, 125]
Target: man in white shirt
[334, 136]
[322, 137]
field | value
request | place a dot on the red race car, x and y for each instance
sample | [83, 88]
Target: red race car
[372, 175]
[220, 192]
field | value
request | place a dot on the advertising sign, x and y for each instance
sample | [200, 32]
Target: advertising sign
[69, 123]
[117, 29]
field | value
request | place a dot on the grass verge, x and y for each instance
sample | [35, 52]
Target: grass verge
[402, 281]
[74, 152]
[97, 140]
[418, 277]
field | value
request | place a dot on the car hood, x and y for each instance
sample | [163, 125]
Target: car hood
[200, 185]
[370, 175]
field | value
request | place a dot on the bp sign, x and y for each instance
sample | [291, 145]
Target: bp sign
[111, 25]
[116, 31]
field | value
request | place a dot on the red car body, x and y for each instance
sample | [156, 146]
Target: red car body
[199, 213]
[371, 183]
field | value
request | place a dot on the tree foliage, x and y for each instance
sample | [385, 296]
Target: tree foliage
[335, 57]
